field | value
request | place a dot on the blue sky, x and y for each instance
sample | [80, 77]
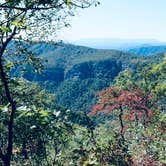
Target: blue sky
[129, 19]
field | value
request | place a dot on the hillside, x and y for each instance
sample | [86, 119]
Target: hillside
[67, 55]
[147, 50]
[64, 59]
[76, 73]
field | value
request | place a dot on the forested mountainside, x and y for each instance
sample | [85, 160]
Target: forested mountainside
[76, 73]
[148, 50]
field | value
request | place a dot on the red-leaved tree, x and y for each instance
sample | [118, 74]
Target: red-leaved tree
[132, 105]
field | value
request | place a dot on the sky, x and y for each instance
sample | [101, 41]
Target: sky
[123, 19]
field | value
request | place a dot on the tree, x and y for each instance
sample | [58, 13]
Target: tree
[24, 20]
[133, 105]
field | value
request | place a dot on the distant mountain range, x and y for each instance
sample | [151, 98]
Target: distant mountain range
[119, 44]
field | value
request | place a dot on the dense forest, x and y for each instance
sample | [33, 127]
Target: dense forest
[101, 109]
[68, 105]
[76, 73]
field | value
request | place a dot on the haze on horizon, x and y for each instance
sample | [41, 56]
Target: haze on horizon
[120, 19]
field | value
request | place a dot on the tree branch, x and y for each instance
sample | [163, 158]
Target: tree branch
[15, 16]
[121, 122]
[31, 8]
[4, 44]
[81, 6]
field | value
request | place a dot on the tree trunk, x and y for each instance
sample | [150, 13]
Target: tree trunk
[121, 123]
[6, 158]
[11, 118]
[7, 161]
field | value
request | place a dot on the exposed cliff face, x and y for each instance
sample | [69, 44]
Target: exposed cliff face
[97, 69]
[51, 74]
[105, 69]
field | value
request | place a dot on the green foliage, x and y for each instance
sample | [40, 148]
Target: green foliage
[52, 135]
[5, 29]
[39, 124]
[144, 143]
[65, 72]
[125, 79]
[78, 90]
